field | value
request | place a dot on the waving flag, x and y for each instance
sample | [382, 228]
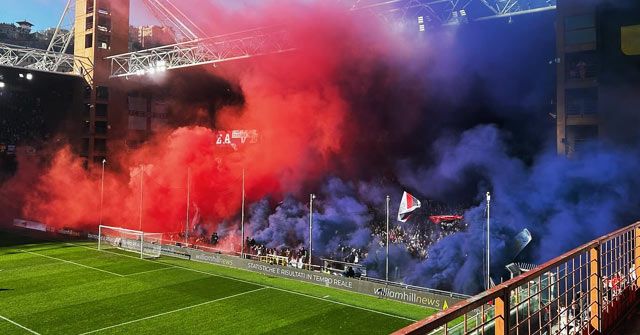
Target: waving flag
[408, 204]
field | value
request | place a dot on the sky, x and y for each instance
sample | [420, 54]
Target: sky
[49, 11]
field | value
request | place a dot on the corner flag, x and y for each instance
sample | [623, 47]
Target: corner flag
[408, 204]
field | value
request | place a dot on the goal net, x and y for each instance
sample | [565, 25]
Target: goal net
[144, 244]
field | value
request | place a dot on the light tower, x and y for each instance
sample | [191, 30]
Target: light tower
[101, 30]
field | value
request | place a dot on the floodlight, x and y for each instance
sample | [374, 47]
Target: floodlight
[21, 75]
[29, 76]
[2, 84]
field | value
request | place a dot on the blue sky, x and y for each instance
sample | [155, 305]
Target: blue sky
[46, 13]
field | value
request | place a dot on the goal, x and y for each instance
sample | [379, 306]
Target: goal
[139, 242]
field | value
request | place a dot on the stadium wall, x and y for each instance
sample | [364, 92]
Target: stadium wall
[403, 294]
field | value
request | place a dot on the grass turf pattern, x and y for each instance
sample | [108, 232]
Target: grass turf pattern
[64, 288]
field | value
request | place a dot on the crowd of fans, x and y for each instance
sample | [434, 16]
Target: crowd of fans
[292, 257]
[21, 118]
[417, 238]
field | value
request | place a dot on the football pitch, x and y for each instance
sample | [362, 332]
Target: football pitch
[53, 287]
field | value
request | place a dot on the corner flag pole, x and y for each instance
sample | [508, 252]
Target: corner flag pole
[186, 232]
[488, 240]
[242, 217]
[387, 257]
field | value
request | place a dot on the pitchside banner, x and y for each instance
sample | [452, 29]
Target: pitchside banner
[399, 293]
[29, 225]
[404, 294]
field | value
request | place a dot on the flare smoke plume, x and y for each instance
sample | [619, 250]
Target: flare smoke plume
[357, 112]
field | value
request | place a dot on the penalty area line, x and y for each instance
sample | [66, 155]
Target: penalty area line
[74, 263]
[19, 325]
[174, 311]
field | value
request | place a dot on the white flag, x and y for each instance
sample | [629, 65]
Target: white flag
[408, 204]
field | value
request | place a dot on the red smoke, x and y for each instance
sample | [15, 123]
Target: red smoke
[294, 100]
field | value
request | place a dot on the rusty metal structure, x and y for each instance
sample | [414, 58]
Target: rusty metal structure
[584, 291]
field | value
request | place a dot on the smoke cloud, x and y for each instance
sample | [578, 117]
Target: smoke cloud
[359, 111]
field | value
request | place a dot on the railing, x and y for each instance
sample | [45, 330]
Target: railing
[584, 291]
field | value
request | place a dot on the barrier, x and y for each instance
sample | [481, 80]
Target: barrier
[584, 291]
[392, 291]
[404, 294]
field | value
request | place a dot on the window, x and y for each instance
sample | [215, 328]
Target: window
[87, 127]
[578, 136]
[88, 41]
[630, 36]
[579, 29]
[104, 8]
[103, 42]
[100, 145]
[101, 110]
[581, 101]
[102, 93]
[101, 127]
[581, 65]
[104, 24]
[89, 22]
[89, 6]
[87, 111]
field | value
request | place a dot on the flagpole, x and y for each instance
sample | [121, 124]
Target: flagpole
[488, 240]
[387, 257]
[141, 174]
[311, 197]
[242, 217]
[186, 232]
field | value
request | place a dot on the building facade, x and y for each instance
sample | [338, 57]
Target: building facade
[102, 30]
[598, 71]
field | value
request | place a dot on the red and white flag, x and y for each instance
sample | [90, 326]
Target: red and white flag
[408, 204]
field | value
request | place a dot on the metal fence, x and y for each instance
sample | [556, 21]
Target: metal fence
[584, 291]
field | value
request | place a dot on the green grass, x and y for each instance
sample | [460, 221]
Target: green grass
[63, 288]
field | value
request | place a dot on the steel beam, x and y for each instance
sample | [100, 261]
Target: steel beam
[202, 51]
[42, 60]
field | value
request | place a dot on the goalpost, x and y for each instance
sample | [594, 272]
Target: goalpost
[139, 242]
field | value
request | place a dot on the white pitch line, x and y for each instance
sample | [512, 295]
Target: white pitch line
[252, 283]
[74, 263]
[154, 270]
[174, 311]
[19, 325]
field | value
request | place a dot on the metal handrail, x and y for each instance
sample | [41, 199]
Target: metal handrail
[504, 290]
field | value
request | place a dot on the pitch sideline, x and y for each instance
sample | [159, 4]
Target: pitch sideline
[74, 263]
